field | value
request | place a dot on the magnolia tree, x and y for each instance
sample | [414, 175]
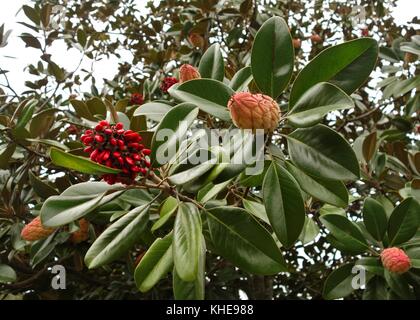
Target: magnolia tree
[224, 160]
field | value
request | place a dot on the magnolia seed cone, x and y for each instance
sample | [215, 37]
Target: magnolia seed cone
[395, 260]
[188, 72]
[254, 111]
[196, 40]
[35, 230]
[82, 234]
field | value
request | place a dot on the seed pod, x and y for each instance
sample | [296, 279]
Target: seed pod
[82, 234]
[254, 111]
[395, 260]
[188, 72]
[35, 230]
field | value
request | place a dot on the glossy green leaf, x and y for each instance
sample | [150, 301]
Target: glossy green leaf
[136, 197]
[5, 154]
[118, 238]
[77, 201]
[67, 160]
[402, 87]
[254, 180]
[178, 119]
[155, 264]
[369, 146]
[194, 290]
[241, 79]
[42, 122]
[7, 274]
[327, 208]
[322, 152]
[346, 232]
[209, 95]
[283, 204]
[168, 208]
[96, 106]
[376, 289]
[399, 285]
[316, 102]
[26, 114]
[237, 236]
[187, 241]
[404, 221]
[346, 65]
[309, 232]
[211, 63]
[153, 110]
[374, 218]
[82, 109]
[371, 264]
[30, 41]
[272, 57]
[50, 143]
[43, 248]
[191, 174]
[212, 192]
[41, 188]
[32, 14]
[257, 209]
[339, 283]
[329, 191]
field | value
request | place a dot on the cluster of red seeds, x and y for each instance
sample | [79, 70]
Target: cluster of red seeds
[117, 148]
[167, 83]
[136, 99]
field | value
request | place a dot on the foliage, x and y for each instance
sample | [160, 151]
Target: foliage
[341, 178]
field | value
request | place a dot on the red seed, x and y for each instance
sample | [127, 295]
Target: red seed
[104, 123]
[116, 154]
[88, 149]
[105, 155]
[147, 151]
[99, 128]
[136, 156]
[120, 131]
[134, 145]
[120, 160]
[133, 136]
[88, 140]
[94, 154]
[128, 132]
[99, 138]
[147, 163]
[119, 126]
[129, 161]
[143, 170]
[108, 131]
[108, 163]
[135, 169]
[113, 141]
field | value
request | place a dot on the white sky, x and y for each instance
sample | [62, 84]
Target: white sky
[405, 11]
